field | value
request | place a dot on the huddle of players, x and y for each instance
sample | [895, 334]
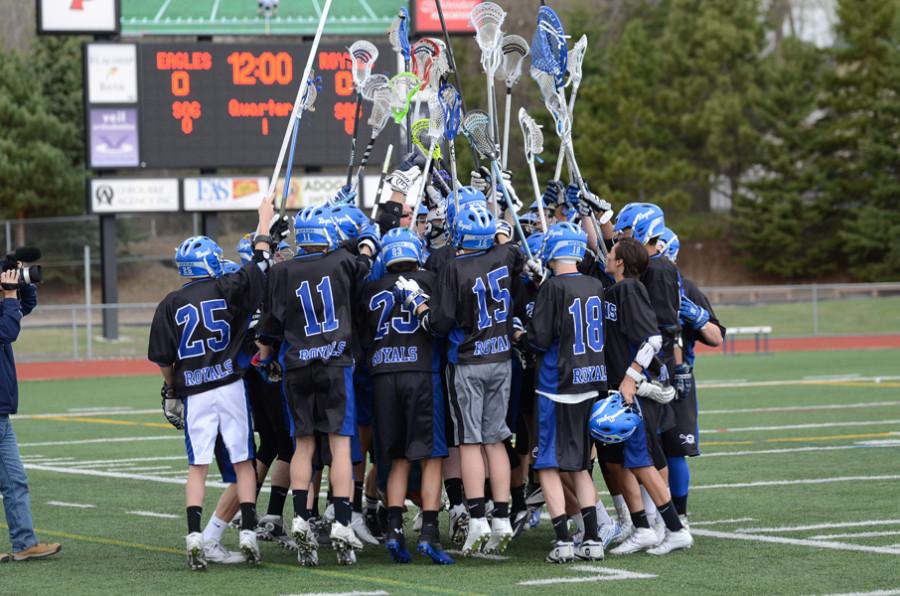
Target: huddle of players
[453, 336]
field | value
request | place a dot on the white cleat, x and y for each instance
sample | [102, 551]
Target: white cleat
[345, 543]
[684, 522]
[478, 535]
[304, 535]
[640, 539]
[679, 540]
[609, 532]
[216, 553]
[248, 545]
[501, 535]
[626, 529]
[659, 528]
[562, 552]
[459, 523]
[590, 550]
[308, 559]
[358, 523]
[195, 556]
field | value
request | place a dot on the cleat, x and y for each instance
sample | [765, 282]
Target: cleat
[216, 553]
[373, 525]
[321, 530]
[520, 523]
[640, 539]
[562, 552]
[679, 540]
[659, 528]
[304, 536]
[328, 516]
[684, 522]
[195, 556]
[236, 521]
[609, 533]
[590, 550]
[346, 557]
[478, 535]
[398, 550]
[271, 529]
[501, 535]
[459, 523]
[308, 559]
[434, 551]
[248, 545]
[361, 530]
[626, 529]
[535, 498]
[345, 543]
[534, 519]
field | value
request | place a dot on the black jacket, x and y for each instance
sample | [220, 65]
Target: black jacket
[11, 313]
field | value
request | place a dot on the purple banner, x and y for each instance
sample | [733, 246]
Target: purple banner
[114, 138]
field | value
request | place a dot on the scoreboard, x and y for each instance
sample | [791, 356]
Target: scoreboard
[227, 105]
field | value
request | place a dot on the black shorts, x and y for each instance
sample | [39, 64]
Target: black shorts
[269, 419]
[563, 435]
[321, 399]
[642, 449]
[409, 416]
[683, 440]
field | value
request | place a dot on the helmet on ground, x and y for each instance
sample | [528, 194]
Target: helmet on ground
[474, 228]
[199, 256]
[613, 420]
[400, 245]
[564, 240]
[649, 223]
[313, 226]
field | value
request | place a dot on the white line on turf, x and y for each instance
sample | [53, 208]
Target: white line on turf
[111, 463]
[867, 405]
[875, 593]
[109, 440]
[798, 426]
[598, 574]
[479, 556]
[740, 384]
[861, 445]
[832, 377]
[884, 443]
[87, 414]
[147, 469]
[375, 593]
[162, 9]
[799, 481]
[154, 514]
[368, 9]
[713, 522]
[856, 524]
[75, 505]
[854, 535]
[797, 542]
[101, 409]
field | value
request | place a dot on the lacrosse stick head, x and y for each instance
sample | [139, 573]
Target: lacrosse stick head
[313, 85]
[532, 135]
[548, 46]
[422, 139]
[576, 59]
[553, 100]
[476, 126]
[398, 34]
[373, 84]
[403, 88]
[439, 69]
[424, 54]
[451, 109]
[514, 49]
[487, 18]
[381, 109]
[363, 55]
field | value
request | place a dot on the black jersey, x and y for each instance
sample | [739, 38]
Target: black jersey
[688, 335]
[630, 321]
[663, 283]
[396, 340]
[310, 304]
[524, 292]
[567, 327]
[473, 304]
[439, 258]
[200, 329]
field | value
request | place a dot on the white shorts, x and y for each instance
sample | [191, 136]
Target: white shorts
[224, 410]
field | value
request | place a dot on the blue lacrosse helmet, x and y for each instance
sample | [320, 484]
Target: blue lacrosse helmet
[564, 240]
[474, 228]
[229, 266]
[349, 219]
[613, 420]
[649, 223]
[536, 243]
[529, 222]
[245, 248]
[199, 256]
[625, 217]
[400, 245]
[669, 244]
[313, 226]
[467, 195]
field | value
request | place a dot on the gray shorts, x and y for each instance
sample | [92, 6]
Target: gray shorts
[479, 396]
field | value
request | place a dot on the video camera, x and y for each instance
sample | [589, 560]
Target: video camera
[28, 274]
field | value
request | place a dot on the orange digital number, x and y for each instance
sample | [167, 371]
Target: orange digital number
[181, 83]
[186, 112]
[343, 83]
[242, 67]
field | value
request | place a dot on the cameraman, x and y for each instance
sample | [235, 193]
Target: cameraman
[13, 482]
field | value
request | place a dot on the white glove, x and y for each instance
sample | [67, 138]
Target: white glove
[410, 292]
[656, 391]
[402, 180]
[534, 269]
[479, 182]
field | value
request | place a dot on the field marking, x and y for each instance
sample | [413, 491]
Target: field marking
[214, 12]
[739, 384]
[875, 593]
[375, 593]
[88, 413]
[74, 505]
[858, 524]
[368, 9]
[153, 514]
[886, 443]
[845, 377]
[162, 9]
[598, 574]
[111, 421]
[713, 522]
[873, 404]
[483, 556]
[796, 481]
[812, 439]
[855, 535]
[113, 440]
[149, 469]
[797, 426]
[862, 445]
[798, 542]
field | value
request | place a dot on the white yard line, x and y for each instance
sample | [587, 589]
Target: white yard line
[838, 379]
[856, 524]
[147, 469]
[867, 405]
[713, 431]
[128, 461]
[797, 542]
[863, 445]
[854, 535]
[798, 481]
[479, 556]
[368, 9]
[598, 574]
[875, 593]
[714, 522]
[162, 9]
[153, 514]
[74, 505]
[113, 440]
[51, 460]
[88, 414]
[375, 593]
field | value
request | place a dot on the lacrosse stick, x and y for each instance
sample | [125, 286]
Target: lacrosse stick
[576, 58]
[372, 84]
[422, 140]
[534, 145]
[304, 82]
[450, 103]
[381, 110]
[399, 38]
[435, 132]
[384, 170]
[362, 58]
[306, 105]
[425, 53]
[487, 18]
[515, 49]
[403, 86]
[476, 127]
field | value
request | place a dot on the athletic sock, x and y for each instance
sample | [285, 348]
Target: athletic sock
[621, 507]
[639, 519]
[501, 509]
[248, 516]
[454, 489]
[371, 503]
[589, 515]
[314, 512]
[276, 500]
[214, 529]
[518, 498]
[194, 515]
[395, 523]
[488, 493]
[649, 506]
[679, 482]
[670, 516]
[476, 507]
[430, 531]
[680, 504]
[342, 510]
[561, 527]
[299, 497]
[357, 497]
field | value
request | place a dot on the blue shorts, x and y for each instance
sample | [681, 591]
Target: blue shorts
[564, 436]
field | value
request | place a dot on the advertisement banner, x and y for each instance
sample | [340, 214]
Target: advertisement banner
[78, 16]
[456, 14]
[113, 137]
[236, 193]
[112, 73]
[131, 195]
